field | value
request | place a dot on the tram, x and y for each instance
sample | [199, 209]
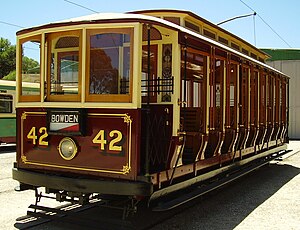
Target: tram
[142, 104]
[7, 113]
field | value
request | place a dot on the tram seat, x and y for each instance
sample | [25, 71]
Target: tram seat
[269, 133]
[230, 134]
[252, 136]
[261, 133]
[192, 117]
[281, 133]
[242, 138]
[275, 131]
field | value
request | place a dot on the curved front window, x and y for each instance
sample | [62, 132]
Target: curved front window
[98, 70]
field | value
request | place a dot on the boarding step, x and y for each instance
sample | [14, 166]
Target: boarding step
[206, 187]
[45, 212]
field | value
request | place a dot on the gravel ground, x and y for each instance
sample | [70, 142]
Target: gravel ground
[268, 198]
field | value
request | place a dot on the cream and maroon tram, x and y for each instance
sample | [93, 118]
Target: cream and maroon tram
[141, 104]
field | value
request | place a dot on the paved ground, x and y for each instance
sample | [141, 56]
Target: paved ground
[268, 198]
[13, 204]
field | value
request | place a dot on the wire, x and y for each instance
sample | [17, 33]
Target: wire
[84, 7]
[10, 24]
[267, 24]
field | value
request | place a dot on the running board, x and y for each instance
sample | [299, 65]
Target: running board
[200, 191]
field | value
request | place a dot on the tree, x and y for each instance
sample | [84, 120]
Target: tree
[7, 57]
[30, 65]
[11, 76]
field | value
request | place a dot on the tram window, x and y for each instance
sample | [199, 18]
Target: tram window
[64, 64]
[153, 73]
[109, 65]
[193, 81]
[30, 69]
[6, 103]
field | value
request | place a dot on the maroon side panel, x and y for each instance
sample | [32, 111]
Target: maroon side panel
[108, 148]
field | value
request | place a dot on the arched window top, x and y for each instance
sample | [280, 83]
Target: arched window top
[67, 42]
[154, 33]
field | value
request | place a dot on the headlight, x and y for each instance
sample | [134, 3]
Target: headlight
[67, 148]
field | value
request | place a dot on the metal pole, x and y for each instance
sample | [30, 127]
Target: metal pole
[237, 17]
[147, 153]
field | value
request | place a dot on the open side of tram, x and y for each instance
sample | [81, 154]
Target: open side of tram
[131, 105]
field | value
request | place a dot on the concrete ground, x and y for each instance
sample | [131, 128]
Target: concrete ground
[268, 198]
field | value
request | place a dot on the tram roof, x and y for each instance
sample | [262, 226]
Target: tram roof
[138, 16]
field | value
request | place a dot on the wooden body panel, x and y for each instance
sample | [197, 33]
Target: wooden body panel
[93, 158]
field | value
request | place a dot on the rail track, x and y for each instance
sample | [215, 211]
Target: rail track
[7, 147]
[103, 216]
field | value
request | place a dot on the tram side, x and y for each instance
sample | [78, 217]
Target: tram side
[137, 106]
[7, 113]
[8, 110]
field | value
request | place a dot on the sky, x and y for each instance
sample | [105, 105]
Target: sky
[276, 24]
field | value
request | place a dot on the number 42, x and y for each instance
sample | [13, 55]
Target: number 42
[32, 135]
[101, 139]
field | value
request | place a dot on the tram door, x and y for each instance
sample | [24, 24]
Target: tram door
[156, 117]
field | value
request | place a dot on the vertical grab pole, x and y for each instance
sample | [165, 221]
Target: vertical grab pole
[185, 83]
[148, 63]
[288, 110]
[147, 154]
[183, 111]
[185, 71]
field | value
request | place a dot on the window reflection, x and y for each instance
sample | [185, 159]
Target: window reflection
[30, 67]
[109, 63]
[6, 102]
[64, 65]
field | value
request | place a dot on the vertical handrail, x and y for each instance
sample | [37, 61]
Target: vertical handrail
[147, 153]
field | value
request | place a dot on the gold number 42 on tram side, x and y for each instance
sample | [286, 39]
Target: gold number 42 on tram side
[33, 136]
[100, 138]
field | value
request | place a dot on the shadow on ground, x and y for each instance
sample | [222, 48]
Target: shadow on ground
[222, 209]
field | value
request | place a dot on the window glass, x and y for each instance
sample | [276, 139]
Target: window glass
[30, 68]
[64, 66]
[149, 83]
[195, 74]
[6, 103]
[109, 63]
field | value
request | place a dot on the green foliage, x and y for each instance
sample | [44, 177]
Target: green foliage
[8, 61]
[11, 76]
[7, 57]
[30, 66]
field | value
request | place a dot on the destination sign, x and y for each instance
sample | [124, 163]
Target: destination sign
[64, 118]
[65, 121]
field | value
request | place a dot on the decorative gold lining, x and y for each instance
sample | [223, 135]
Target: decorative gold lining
[125, 168]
